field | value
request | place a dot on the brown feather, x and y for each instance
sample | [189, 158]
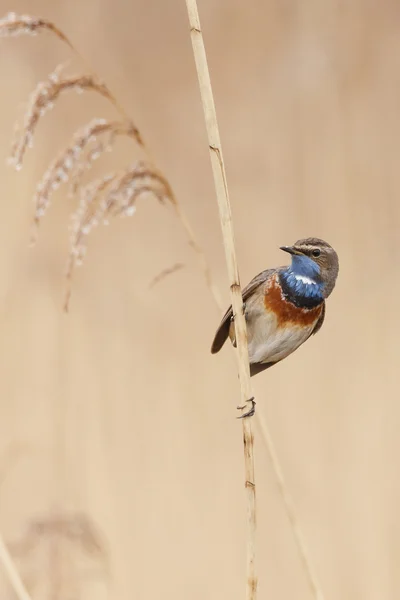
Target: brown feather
[285, 311]
[223, 330]
[318, 324]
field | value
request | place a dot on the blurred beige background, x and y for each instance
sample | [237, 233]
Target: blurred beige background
[117, 415]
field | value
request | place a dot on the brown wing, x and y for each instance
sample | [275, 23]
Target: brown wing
[318, 324]
[223, 330]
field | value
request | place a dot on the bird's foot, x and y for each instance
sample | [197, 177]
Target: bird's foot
[250, 412]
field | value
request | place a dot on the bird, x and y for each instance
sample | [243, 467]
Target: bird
[284, 306]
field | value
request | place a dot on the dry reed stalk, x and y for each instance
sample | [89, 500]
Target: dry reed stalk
[13, 452]
[71, 162]
[165, 273]
[290, 510]
[112, 195]
[43, 99]
[240, 328]
[13, 24]
[11, 571]
[221, 188]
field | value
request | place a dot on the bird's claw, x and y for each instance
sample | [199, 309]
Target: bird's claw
[250, 412]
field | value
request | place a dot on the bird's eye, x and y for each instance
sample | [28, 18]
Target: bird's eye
[316, 252]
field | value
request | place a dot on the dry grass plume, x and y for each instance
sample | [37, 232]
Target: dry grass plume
[113, 195]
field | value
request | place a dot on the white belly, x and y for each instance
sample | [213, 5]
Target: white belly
[268, 343]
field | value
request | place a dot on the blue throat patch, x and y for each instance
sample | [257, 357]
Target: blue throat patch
[302, 283]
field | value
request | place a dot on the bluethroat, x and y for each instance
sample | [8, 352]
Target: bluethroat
[284, 306]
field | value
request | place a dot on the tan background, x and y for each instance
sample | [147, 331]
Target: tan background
[118, 412]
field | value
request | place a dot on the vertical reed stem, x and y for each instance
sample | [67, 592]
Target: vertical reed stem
[11, 571]
[221, 189]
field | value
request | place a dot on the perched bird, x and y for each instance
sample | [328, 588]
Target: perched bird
[283, 307]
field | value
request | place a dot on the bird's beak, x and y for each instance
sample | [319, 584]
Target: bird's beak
[289, 249]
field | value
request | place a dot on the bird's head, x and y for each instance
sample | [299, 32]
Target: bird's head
[316, 260]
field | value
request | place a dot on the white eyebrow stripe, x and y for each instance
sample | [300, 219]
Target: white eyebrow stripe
[305, 279]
